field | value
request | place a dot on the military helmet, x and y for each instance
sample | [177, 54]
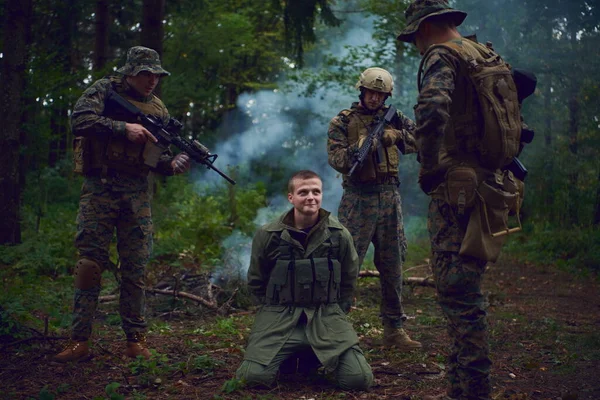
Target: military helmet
[377, 79]
[140, 58]
[419, 10]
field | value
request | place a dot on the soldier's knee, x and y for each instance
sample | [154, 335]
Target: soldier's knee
[255, 374]
[88, 274]
[354, 372]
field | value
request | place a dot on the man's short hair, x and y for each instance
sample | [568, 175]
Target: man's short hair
[303, 175]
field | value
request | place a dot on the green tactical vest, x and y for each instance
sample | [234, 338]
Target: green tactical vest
[358, 127]
[119, 153]
[304, 281]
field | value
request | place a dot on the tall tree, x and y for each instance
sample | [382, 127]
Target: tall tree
[102, 25]
[153, 14]
[16, 36]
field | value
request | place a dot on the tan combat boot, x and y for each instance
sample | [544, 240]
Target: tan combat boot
[399, 338]
[73, 351]
[137, 346]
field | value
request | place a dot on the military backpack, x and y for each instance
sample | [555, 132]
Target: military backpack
[498, 117]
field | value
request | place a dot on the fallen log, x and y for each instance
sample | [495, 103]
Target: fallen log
[210, 304]
[412, 281]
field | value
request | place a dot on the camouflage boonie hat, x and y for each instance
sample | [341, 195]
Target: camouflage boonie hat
[141, 58]
[420, 10]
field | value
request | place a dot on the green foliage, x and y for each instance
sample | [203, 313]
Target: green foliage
[203, 364]
[151, 371]
[111, 391]
[45, 394]
[575, 249]
[232, 385]
[29, 300]
[194, 221]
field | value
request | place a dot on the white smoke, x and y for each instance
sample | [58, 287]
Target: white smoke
[275, 126]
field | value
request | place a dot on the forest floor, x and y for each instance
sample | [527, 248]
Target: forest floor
[544, 336]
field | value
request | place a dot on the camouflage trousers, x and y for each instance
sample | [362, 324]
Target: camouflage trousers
[458, 281]
[376, 217]
[101, 211]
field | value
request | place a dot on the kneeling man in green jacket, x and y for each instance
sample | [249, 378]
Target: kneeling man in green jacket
[303, 270]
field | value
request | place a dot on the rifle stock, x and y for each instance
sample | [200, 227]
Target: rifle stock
[196, 150]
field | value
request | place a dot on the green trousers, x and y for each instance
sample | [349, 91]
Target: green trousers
[352, 372]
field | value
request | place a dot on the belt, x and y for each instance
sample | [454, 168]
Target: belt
[98, 172]
[372, 188]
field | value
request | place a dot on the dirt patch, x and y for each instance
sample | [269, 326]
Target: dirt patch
[544, 335]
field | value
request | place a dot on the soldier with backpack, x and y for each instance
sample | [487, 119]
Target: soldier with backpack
[468, 130]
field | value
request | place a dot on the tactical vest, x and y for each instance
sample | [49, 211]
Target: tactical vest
[485, 120]
[302, 281]
[119, 153]
[357, 128]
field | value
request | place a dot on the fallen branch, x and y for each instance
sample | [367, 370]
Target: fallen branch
[412, 281]
[213, 305]
[32, 338]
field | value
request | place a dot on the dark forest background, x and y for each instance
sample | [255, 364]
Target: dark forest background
[226, 57]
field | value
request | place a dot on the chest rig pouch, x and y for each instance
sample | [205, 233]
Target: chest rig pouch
[300, 281]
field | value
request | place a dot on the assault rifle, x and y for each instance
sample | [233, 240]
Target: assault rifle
[526, 83]
[375, 134]
[169, 134]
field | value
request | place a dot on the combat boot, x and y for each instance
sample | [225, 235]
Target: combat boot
[137, 346]
[73, 351]
[397, 337]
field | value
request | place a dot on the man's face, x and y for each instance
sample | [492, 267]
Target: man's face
[144, 82]
[422, 37]
[373, 100]
[419, 42]
[307, 196]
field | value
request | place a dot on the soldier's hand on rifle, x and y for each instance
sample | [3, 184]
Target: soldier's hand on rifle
[136, 133]
[180, 163]
[390, 137]
[361, 141]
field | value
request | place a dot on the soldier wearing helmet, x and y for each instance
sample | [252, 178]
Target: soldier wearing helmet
[110, 152]
[371, 206]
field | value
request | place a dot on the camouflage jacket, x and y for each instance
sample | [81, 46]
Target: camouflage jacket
[432, 112]
[90, 120]
[342, 143]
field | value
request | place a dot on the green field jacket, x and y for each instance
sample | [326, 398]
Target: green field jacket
[328, 330]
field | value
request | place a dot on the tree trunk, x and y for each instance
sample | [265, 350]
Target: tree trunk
[548, 110]
[574, 115]
[153, 15]
[17, 32]
[597, 207]
[102, 24]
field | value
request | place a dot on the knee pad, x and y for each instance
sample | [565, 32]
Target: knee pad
[88, 274]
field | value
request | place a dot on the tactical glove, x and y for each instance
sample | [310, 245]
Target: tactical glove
[361, 141]
[180, 163]
[390, 137]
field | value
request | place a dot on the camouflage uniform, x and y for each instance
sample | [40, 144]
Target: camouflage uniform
[458, 278]
[371, 206]
[114, 196]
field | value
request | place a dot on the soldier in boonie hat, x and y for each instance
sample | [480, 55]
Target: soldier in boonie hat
[140, 58]
[420, 10]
